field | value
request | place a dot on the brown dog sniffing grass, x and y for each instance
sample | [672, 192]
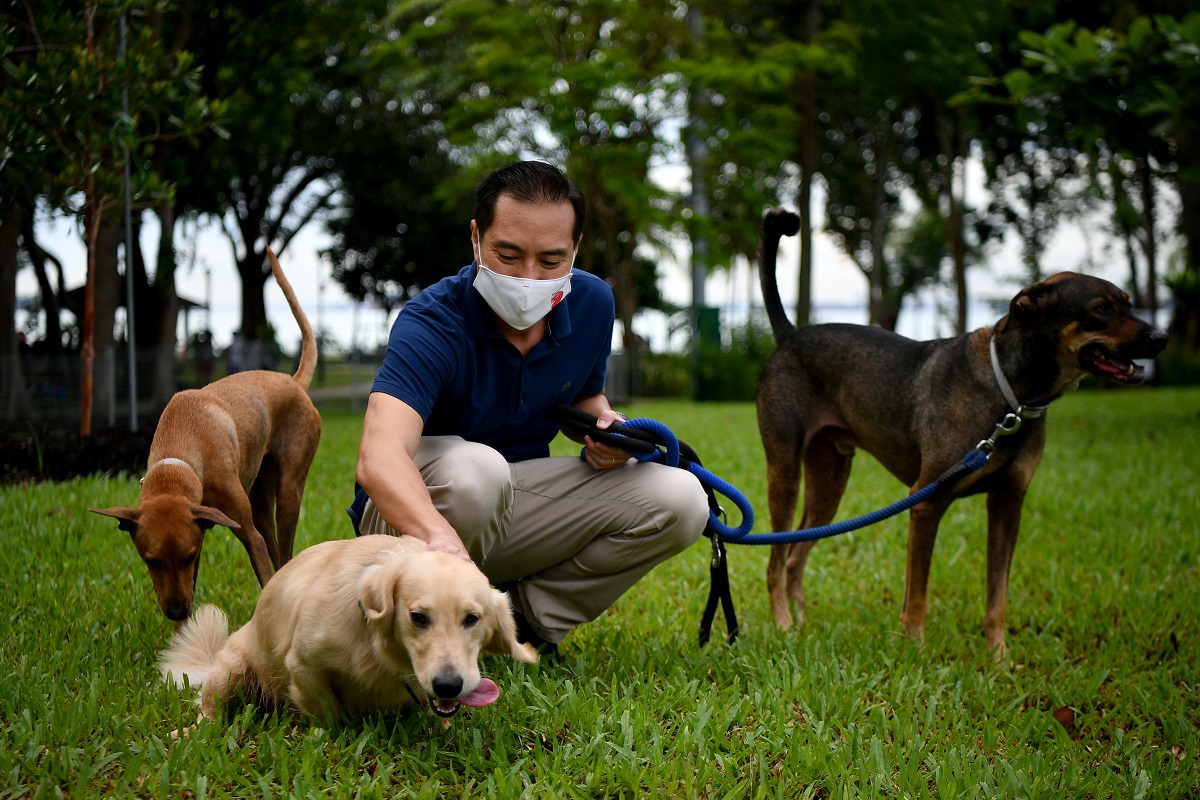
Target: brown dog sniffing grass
[233, 453]
[919, 407]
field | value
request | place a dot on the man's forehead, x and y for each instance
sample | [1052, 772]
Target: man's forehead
[514, 216]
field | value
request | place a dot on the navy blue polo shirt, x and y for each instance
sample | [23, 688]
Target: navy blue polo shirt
[447, 360]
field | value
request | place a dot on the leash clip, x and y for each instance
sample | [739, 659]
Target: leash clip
[718, 553]
[1005, 427]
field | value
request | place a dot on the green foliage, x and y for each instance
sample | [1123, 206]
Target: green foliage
[730, 372]
[62, 75]
[1101, 609]
[665, 375]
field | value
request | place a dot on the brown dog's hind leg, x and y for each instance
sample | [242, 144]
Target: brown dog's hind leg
[262, 504]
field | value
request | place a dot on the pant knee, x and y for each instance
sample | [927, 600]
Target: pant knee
[686, 503]
[471, 486]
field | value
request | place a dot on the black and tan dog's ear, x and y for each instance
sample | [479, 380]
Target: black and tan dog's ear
[504, 632]
[127, 518]
[1028, 308]
[207, 516]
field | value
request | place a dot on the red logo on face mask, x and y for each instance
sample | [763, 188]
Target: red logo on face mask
[556, 299]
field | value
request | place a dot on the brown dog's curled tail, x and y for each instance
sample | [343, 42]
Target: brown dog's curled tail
[308, 341]
[776, 223]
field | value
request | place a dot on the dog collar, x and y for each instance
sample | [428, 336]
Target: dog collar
[178, 462]
[1022, 411]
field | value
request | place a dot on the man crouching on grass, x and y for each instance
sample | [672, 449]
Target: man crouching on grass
[455, 445]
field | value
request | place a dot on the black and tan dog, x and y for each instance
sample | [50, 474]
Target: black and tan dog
[918, 407]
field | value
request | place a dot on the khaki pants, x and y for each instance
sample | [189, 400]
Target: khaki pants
[574, 538]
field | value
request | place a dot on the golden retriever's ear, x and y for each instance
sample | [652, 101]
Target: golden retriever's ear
[376, 592]
[504, 632]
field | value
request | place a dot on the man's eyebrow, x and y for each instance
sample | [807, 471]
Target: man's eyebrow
[501, 244]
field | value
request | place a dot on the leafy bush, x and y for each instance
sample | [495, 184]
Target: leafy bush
[730, 372]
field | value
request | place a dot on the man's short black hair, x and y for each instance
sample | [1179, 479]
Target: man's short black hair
[529, 182]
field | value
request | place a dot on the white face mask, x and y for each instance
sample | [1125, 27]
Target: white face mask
[520, 301]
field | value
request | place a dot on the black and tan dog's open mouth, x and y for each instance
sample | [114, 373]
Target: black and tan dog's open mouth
[1103, 363]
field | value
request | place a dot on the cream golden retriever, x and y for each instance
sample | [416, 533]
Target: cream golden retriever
[351, 626]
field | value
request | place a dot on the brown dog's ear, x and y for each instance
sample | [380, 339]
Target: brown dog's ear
[377, 592]
[504, 632]
[127, 518]
[206, 517]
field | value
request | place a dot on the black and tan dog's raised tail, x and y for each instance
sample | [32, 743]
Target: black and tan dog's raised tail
[918, 407]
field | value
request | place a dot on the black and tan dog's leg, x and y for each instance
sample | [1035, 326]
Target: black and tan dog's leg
[826, 473]
[1004, 522]
[922, 535]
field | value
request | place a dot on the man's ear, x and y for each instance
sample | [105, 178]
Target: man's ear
[127, 518]
[377, 592]
[504, 632]
[206, 517]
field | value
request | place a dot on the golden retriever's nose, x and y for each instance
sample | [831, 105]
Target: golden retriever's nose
[448, 686]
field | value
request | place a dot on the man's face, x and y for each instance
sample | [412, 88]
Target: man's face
[527, 240]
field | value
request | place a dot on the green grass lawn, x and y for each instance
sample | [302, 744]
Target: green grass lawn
[1103, 621]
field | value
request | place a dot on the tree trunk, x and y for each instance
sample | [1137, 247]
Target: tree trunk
[1148, 239]
[14, 402]
[952, 141]
[254, 307]
[107, 298]
[1185, 325]
[167, 310]
[810, 153]
[879, 273]
[51, 307]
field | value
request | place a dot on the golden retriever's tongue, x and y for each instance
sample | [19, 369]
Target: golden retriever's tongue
[484, 695]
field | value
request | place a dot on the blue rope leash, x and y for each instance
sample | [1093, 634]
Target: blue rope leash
[972, 461]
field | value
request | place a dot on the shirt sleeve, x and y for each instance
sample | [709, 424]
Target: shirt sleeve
[422, 357]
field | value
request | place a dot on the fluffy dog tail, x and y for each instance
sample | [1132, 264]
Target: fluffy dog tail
[194, 647]
[776, 223]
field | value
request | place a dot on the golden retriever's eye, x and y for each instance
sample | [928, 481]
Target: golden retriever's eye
[470, 620]
[419, 620]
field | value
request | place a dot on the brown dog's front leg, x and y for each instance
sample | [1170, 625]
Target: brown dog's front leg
[260, 558]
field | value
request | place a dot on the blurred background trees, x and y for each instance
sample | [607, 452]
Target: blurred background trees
[374, 120]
